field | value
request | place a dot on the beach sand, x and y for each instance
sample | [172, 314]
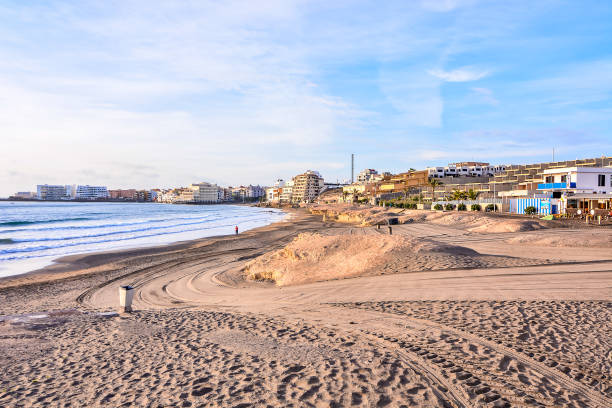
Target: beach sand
[480, 317]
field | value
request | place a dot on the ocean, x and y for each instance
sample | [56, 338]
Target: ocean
[32, 234]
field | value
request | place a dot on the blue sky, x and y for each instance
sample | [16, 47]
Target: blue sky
[158, 94]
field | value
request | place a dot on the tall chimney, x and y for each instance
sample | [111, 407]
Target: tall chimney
[352, 168]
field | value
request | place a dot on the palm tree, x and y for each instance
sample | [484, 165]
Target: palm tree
[434, 183]
[472, 195]
[459, 195]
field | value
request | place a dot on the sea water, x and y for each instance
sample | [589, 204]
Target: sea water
[32, 234]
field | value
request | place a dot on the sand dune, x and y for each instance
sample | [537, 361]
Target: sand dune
[470, 221]
[314, 257]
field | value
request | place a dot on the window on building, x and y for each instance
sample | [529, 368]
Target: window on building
[564, 179]
[550, 179]
[601, 180]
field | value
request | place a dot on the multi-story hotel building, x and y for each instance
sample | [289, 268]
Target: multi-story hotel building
[307, 186]
[52, 192]
[286, 194]
[205, 192]
[90, 192]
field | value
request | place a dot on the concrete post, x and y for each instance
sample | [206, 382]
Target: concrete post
[126, 294]
[390, 230]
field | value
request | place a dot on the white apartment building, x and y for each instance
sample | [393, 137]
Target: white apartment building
[186, 195]
[205, 192]
[287, 192]
[88, 192]
[465, 169]
[366, 175]
[52, 192]
[255, 191]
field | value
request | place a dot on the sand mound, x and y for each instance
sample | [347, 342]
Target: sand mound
[313, 257]
[474, 221]
[353, 213]
[470, 221]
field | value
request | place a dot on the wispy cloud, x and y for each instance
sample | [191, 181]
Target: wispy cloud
[458, 75]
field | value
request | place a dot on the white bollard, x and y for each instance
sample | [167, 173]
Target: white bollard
[126, 293]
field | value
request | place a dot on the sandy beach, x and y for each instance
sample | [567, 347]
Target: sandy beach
[451, 310]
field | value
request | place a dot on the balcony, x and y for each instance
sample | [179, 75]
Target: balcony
[554, 186]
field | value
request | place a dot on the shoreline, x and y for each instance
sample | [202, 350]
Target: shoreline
[88, 263]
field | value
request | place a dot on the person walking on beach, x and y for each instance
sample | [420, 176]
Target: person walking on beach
[236, 230]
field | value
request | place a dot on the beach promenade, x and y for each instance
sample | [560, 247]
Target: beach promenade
[522, 322]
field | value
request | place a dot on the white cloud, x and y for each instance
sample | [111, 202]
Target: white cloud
[465, 74]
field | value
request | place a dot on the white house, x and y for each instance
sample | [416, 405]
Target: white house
[577, 180]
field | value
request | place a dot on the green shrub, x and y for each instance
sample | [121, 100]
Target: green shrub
[475, 207]
[449, 207]
[462, 207]
[531, 210]
[491, 207]
[438, 207]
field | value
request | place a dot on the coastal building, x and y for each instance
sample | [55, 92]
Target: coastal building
[307, 187]
[203, 193]
[255, 192]
[286, 194]
[24, 195]
[52, 192]
[185, 196]
[366, 175]
[465, 169]
[170, 195]
[273, 194]
[576, 180]
[153, 194]
[402, 182]
[87, 192]
[128, 195]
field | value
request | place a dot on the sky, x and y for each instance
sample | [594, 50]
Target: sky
[141, 94]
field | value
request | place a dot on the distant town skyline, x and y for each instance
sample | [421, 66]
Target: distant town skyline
[123, 94]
